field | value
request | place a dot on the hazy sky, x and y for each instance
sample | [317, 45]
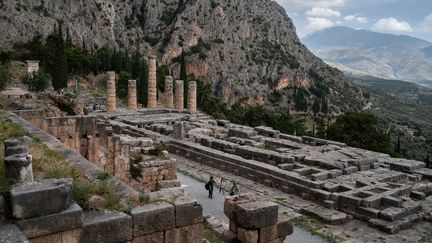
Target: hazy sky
[410, 17]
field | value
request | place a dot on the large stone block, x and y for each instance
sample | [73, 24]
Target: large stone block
[157, 237]
[68, 219]
[187, 211]
[247, 236]
[18, 167]
[186, 234]
[152, 218]
[70, 236]
[106, 226]
[11, 234]
[255, 215]
[230, 204]
[41, 198]
[276, 231]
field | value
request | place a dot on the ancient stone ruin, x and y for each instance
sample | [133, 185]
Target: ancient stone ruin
[342, 182]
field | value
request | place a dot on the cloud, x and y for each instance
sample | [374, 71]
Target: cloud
[426, 25]
[312, 3]
[392, 25]
[316, 23]
[355, 18]
[323, 12]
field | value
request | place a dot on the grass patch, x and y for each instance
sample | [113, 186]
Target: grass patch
[314, 227]
[427, 238]
[210, 235]
[103, 176]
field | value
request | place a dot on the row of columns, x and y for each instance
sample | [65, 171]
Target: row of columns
[171, 100]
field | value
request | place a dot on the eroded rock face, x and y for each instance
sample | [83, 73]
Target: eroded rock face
[244, 48]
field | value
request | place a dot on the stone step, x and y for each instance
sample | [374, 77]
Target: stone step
[326, 215]
[395, 226]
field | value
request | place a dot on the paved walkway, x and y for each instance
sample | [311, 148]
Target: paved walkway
[214, 207]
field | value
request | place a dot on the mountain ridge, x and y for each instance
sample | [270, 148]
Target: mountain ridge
[243, 48]
[383, 55]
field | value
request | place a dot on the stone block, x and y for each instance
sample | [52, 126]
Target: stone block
[20, 149]
[154, 217]
[276, 231]
[418, 195]
[106, 226]
[255, 215]
[18, 167]
[346, 199]
[350, 170]
[186, 234]
[233, 226]
[156, 237]
[167, 184]
[247, 236]
[393, 213]
[368, 212]
[68, 219]
[372, 202]
[70, 236]
[230, 205]
[390, 201]
[40, 198]
[11, 234]
[187, 211]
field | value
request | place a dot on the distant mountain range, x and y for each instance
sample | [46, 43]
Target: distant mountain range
[387, 56]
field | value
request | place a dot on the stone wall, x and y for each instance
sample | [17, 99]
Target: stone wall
[152, 173]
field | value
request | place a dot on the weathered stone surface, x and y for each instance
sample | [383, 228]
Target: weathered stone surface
[255, 215]
[168, 184]
[40, 198]
[157, 237]
[152, 82]
[18, 167]
[106, 226]
[132, 95]
[70, 236]
[152, 218]
[187, 211]
[231, 202]
[392, 213]
[192, 97]
[11, 234]
[276, 231]
[179, 95]
[186, 234]
[68, 219]
[19, 149]
[329, 216]
[247, 236]
[111, 92]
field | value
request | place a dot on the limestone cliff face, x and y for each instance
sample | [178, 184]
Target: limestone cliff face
[245, 48]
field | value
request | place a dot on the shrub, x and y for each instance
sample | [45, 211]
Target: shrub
[37, 81]
[4, 77]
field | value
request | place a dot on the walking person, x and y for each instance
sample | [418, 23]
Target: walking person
[210, 186]
[221, 186]
[234, 189]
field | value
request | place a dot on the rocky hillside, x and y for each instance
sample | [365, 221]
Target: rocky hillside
[245, 48]
[383, 55]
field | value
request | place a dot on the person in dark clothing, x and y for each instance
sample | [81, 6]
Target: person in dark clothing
[210, 186]
[234, 189]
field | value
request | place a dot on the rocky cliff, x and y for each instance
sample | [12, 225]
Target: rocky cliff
[245, 48]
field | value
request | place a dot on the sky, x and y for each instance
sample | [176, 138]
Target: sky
[408, 17]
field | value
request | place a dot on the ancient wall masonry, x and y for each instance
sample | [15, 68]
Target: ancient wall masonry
[341, 182]
[132, 95]
[179, 95]
[192, 97]
[152, 84]
[168, 94]
[111, 92]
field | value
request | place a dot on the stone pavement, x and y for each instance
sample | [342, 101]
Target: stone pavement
[354, 231]
[214, 206]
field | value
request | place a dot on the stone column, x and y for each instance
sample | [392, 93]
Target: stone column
[169, 102]
[132, 95]
[111, 93]
[179, 93]
[192, 97]
[152, 89]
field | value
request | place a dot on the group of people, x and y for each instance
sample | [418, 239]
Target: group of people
[209, 186]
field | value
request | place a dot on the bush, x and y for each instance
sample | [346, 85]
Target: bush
[4, 77]
[37, 81]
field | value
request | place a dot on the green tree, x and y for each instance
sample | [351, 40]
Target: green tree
[142, 82]
[316, 106]
[398, 145]
[184, 76]
[360, 130]
[56, 60]
[122, 84]
[4, 77]
[427, 161]
[37, 82]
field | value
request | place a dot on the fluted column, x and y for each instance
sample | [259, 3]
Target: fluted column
[192, 97]
[132, 95]
[179, 95]
[152, 89]
[111, 93]
[169, 99]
